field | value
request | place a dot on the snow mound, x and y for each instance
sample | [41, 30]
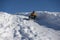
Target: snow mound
[16, 27]
[48, 19]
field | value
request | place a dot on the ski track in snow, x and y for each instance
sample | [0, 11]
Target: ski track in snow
[15, 27]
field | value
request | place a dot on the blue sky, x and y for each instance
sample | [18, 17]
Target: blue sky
[14, 6]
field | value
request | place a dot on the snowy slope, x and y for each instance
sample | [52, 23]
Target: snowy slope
[16, 27]
[49, 19]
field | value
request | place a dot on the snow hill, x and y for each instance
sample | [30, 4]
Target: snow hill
[16, 27]
[49, 19]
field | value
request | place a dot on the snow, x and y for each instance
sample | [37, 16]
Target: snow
[16, 27]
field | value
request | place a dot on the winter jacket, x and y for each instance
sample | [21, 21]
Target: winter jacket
[33, 14]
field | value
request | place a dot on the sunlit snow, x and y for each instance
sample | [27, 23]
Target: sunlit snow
[16, 27]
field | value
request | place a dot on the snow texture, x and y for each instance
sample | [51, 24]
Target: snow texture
[16, 27]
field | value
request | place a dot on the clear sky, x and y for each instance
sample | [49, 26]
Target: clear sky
[14, 6]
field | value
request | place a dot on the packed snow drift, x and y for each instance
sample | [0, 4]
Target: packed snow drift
[16, 27]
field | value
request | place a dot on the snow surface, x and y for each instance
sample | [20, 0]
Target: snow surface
[48, 19]
[16, 27]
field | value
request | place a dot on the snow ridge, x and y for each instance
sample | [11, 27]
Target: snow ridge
[16, 27]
